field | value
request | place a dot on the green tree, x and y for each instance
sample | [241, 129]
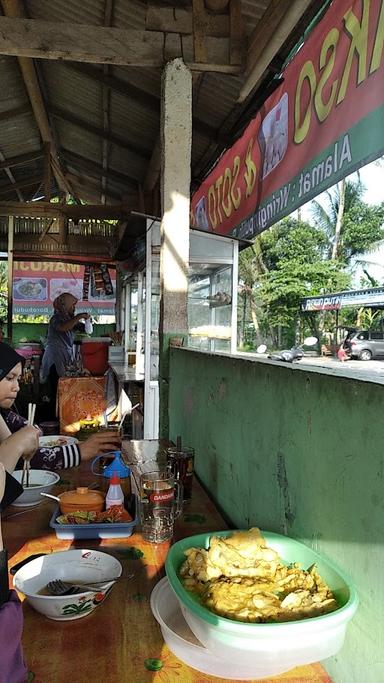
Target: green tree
[296, 257]
[352, 227]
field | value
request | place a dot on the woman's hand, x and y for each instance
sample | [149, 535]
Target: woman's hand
[82, 316]
[28, 441]
[23, 443]
[101, 442]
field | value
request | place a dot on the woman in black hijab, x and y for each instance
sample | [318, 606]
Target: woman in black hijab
[25, 440]
[23, 443]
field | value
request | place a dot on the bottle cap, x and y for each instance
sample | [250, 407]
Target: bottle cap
[115, 479]
[117, 465]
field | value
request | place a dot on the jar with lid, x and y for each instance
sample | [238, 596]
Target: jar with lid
[81, 499]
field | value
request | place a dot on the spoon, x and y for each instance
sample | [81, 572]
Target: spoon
[48, 495]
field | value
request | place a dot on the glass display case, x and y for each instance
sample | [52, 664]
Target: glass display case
[212, 311]
[142, 313]
[212, 292]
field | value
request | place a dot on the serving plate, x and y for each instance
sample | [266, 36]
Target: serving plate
[71, 532]
[52, 441]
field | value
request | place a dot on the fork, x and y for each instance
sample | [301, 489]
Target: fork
[59, 587]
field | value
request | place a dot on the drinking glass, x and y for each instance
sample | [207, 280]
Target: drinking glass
[161, 502]
[181, 461]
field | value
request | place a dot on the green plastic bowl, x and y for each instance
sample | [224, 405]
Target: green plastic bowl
[287, 644]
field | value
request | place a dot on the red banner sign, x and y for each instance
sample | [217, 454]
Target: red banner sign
[323, 122]
[37, 284]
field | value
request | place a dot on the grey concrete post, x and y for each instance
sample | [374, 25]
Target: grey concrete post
[176, 142]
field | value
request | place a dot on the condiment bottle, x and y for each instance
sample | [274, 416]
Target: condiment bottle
[117, 465]
[115, 495]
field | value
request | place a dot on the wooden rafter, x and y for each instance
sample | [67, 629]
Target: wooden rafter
[21, 159]
[23, 38]
[28, 182]
[13, 9]
[47, 171]
[74, 211]
[10, 176]
[180, 20]
[237, 41]
[199, 35]
[106, 102]
[153, 169]
[272, 30]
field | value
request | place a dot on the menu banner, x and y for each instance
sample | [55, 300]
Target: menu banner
[37, 284]
[323, 122]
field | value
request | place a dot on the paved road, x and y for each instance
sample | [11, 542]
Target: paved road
[370, 370]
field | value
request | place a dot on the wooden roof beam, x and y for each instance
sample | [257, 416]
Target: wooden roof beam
[10, 175]
[106, 102]
[74, 211]
[13, 9]
[272, 30]
[24, 38]
[21, 159]
[180, 20]
[28, 182]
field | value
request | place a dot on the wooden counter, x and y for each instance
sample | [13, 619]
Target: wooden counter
[118, 642]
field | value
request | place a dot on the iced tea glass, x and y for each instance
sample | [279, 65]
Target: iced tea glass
[161, 502]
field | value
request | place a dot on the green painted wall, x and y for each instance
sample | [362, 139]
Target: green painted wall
[296, 452]
[33, 331]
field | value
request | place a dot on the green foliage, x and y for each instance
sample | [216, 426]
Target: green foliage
[294, 252]
[362, 228]
[293, 260]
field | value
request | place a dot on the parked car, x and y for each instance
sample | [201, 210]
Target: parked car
[365, 344]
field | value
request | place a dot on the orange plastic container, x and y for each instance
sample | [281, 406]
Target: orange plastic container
[81, 499]
[95, 356]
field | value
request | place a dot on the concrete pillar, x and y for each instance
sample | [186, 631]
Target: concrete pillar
[176, 142]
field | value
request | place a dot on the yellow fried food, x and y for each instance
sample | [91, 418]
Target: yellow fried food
[240, 578]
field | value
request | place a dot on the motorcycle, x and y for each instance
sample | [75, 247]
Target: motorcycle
[292, 355]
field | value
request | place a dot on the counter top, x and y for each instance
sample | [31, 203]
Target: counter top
[126, 373]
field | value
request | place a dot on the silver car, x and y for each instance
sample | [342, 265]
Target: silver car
[365, 344]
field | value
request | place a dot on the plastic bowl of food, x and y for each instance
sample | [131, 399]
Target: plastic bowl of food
[184, 644]
[267, 648]
[40, 481]
[72, 566]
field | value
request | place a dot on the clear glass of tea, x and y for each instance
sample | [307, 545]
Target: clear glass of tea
[161, 502]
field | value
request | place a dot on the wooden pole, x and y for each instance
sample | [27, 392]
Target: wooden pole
[11, 221]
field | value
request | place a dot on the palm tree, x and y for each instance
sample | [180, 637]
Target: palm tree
[330, 218]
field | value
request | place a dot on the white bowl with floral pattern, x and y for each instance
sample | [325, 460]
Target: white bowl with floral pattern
[70, 565]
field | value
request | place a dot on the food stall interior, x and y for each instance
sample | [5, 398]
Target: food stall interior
[212, 311]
